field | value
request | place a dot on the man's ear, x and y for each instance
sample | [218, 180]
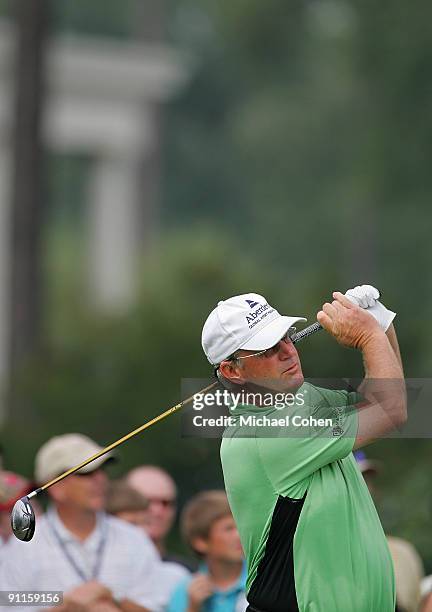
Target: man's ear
[200, 545]
[232, 372]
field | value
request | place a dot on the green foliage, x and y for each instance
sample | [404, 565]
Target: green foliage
[306, 128]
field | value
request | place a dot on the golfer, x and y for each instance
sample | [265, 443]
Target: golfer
[310, 532]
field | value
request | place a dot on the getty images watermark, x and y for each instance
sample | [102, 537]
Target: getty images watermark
[319, 408]
[277, 401]
[223, 397]
[263, 413]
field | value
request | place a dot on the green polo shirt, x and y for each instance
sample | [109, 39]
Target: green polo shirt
[311, 535]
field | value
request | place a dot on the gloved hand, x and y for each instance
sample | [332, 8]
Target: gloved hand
[366, 297]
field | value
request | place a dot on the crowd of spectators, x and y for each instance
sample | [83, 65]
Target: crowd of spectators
[103, 543]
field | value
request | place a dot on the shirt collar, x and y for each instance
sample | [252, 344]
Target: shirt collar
[67, 536]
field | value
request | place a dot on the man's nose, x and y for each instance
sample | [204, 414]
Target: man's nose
[286, 349]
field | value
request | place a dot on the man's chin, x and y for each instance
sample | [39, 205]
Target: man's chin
[284, 384]
[293, 384]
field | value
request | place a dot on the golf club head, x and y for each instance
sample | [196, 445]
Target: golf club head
[23, 520]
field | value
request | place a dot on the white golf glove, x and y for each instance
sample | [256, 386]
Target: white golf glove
[366, 297]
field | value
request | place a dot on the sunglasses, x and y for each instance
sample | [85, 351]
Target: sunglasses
[164, 502]
[287, 338]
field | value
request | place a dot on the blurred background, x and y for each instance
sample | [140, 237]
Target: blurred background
[159, 155]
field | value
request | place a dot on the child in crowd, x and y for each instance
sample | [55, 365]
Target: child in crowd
[219, 586]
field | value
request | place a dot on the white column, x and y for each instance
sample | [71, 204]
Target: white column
[4, 274]
[113, 232]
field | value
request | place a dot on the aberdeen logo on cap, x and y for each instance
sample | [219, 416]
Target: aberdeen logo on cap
[256, 316]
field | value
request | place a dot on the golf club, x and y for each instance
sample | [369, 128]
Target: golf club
[23, 521]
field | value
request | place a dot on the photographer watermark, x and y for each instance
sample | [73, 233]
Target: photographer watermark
[319, 407]
[253, 420]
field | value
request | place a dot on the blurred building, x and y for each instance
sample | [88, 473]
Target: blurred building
[102, 101]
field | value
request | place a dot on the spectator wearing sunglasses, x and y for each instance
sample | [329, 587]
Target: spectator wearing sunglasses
[160, 491]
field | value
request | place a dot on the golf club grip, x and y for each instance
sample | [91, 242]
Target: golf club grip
[307, 331]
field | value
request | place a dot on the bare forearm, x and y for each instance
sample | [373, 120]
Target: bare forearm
[392, 338]
[380, 358]
[384, 389]
[383, 374]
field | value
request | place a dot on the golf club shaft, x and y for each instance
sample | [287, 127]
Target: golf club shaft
[311, 329]
[118, 442]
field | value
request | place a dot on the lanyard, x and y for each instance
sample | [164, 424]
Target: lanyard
[99, 552]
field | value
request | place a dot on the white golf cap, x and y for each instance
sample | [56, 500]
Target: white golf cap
[62, 453]
[244, 321]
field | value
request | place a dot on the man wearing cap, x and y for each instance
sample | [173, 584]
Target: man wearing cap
[309, 529]
[100, 562]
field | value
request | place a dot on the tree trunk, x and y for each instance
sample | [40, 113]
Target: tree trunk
[150, 27]
[27, 181]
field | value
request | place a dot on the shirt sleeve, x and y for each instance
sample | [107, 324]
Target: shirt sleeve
[297, 451]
